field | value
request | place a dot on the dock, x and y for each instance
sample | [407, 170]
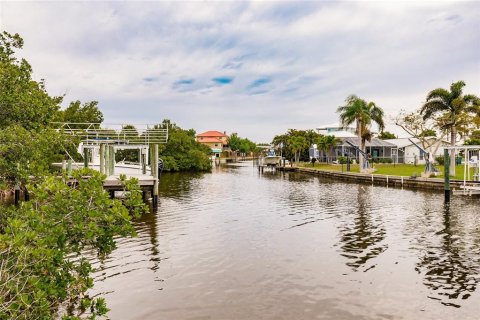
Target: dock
[147, 184]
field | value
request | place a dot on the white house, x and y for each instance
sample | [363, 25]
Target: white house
[337, 131]
[409, 149]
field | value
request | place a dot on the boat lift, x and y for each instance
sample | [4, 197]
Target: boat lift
[360, 151]
[429, 167]
[469, 186]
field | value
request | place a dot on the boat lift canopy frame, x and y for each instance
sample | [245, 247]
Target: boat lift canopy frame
[111, 133]
[466, 172]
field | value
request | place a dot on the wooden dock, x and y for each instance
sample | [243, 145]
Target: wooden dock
[147, 184]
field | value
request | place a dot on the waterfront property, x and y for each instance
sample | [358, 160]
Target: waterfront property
[337, 131]
[215, 140]
[380, 150]
[99, 146]
[409, 150]
[295, 246]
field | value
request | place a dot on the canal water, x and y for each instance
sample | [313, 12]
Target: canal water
[236, 244]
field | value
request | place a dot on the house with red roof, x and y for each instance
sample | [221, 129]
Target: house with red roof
[215, 140]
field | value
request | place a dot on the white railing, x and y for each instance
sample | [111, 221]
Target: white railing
[124, 134]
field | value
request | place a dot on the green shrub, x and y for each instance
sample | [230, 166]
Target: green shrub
[43, 271]
[344, 160]
[440, 160]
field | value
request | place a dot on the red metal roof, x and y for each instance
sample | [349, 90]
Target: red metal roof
[212, 134]
[210, 139]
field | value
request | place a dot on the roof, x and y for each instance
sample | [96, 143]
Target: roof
[334, 126]
[375, 142]
[210, 139]
[341, 134]
[212, 134]
[405, 142]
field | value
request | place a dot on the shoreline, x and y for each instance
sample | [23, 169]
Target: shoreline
[432, 184]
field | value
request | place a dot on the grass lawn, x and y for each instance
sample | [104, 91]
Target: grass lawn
[406, 170]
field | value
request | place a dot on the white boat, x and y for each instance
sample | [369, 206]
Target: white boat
[121, 167]
[271, 159]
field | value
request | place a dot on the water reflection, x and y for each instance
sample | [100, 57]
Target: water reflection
[362, 233]
[236, 244]
[446, 261]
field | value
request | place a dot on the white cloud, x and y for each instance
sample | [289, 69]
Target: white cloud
[310, 56]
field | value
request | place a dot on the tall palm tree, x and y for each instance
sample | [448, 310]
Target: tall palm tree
[297, 144]
[451, 107]
[326, 144]
[363, 113]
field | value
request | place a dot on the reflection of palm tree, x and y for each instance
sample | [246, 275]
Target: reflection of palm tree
[361, 240]
[448, 271]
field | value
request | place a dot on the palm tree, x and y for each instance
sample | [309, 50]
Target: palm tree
[330, 143]
[363, 114]
[451, 107]
[297, 144]
[326, 144]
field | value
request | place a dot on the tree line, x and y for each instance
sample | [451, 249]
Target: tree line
[446, 112]
[44, 273]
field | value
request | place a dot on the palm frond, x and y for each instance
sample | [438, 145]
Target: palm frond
[439, 93]
[432, 107]
[456, 89]
[472, 99]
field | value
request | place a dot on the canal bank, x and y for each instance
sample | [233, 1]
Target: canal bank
[235, 244]
[433, 184]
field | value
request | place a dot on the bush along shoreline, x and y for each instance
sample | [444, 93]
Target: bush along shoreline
[44, 273]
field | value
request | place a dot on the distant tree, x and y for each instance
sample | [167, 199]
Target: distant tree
[23, 101]
[326, 144]
[296, 145]
[363, 114]
[384, 135]
[428, 133]
[182, 152]
[234, 142]
[414, 124]
[288, 146]
[78, 113]
[451, 107]
[474, 138]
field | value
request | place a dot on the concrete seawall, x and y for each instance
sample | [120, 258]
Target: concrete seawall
[378, 179]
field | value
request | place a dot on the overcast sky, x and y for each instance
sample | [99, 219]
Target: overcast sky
[256, 68]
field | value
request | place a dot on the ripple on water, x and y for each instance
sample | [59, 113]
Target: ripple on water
[236, 244]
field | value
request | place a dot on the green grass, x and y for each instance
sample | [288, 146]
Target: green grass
[406, 170]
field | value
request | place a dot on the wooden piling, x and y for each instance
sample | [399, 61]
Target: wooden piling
[102, 158]
[26, 194]
[69, 167]
[85, 157]
[446, 174]
[143, 161]
[155, 186]
[111, 160]
[17, 195]
[107, 157]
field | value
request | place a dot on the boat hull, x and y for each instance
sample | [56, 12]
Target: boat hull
[271, 160]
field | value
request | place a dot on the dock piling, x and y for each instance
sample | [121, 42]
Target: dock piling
[17, 195]
[102, 158]
[447, 175]
[69, 167]
[111, 162]
[85, 157]
[155, 186]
